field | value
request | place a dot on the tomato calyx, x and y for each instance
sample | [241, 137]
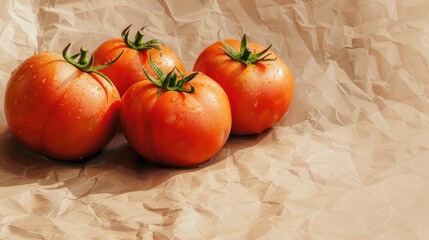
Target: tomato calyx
[138, 43]
[245, 55]
[170, 81]
[85, 65]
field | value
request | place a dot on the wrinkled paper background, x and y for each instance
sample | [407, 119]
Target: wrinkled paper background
[348, 161]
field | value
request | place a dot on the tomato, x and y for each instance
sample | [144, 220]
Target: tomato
[126, 71]
[61, 108]
[173, 122]
[259, 85]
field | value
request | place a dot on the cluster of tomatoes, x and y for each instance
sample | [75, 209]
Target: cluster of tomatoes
[69, 107]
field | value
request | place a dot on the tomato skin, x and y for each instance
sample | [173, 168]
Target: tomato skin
[126, 71]
[59, 111]
[260, 94]
[175, 128]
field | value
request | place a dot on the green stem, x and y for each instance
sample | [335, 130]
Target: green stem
[138, 43]
[245, 54]
[84, 64]
[83, 59]
[170, 82]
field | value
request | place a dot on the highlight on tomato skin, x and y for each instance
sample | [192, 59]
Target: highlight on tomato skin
[126, 70]
[176, 121]
[258, 83]
[60, 106]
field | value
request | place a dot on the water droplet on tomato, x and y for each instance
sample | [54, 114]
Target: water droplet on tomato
[44, 80]
[34, 76]
[170, 119]
[173, 99]
[16, 102]
[25, 96]
[31, 65]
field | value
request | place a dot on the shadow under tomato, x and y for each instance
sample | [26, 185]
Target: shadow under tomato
[114, 170]
[18, 164]
[155, 165]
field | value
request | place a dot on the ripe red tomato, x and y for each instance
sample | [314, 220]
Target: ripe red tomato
[61, 108]
[126, 71]
[259, 87]
[174, 122]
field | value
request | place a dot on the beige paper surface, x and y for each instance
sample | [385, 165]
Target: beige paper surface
[348, 161]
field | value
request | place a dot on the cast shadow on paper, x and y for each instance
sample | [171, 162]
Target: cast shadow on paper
[109, 171]
[21, 166]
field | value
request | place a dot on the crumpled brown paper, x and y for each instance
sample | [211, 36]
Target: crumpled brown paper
[348, 161]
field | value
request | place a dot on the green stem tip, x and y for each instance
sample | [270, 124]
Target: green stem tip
[245, 55]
